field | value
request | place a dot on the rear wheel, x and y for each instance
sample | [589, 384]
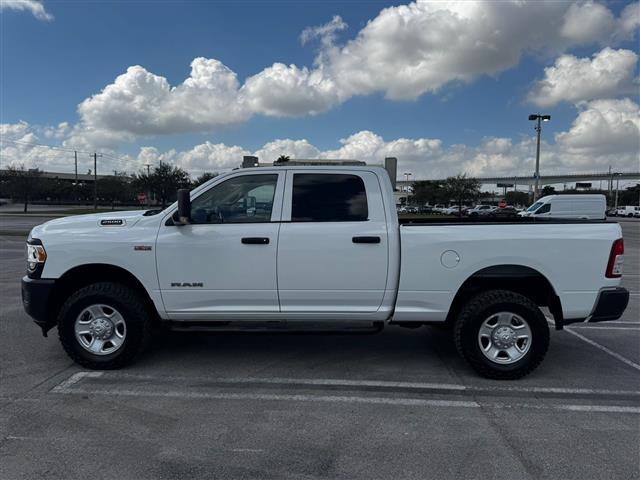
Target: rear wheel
[501, 334]
[104, 325]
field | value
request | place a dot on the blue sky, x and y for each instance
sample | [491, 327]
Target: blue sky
[50, 66]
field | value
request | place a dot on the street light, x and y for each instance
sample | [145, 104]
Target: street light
[407, 175]
[538, 129]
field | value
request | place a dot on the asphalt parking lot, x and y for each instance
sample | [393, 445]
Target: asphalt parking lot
[398, 404]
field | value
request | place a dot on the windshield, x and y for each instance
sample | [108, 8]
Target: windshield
[534, 207]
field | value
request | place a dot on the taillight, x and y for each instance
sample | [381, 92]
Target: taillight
[616, 259]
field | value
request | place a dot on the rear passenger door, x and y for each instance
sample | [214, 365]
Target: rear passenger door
[333, 245]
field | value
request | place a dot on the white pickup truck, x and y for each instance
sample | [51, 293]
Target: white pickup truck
[313, 247]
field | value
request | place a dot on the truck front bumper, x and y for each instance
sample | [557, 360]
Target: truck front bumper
[610, 305]
[35, 300]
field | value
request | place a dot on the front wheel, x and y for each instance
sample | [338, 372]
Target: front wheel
[503, 335]
[104, 325]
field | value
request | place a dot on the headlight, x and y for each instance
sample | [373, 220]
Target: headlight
[36, 255]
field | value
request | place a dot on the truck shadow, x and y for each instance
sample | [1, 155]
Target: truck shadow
[397, 351]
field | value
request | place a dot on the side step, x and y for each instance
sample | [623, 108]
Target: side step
[291, 327]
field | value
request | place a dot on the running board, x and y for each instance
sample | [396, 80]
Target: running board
[277, 327]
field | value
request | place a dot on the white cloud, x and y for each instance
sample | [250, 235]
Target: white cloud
[142, 103]
[605, 132]
[326, 33]
[34, 6]
[604, 127]
[629, 22]
[609, 73]
[404, 52]
[584, 22]
[282, 90]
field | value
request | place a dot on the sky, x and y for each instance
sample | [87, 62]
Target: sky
[446, 87]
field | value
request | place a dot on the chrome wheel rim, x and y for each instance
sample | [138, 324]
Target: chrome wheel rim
[100, 329]
[504, 338]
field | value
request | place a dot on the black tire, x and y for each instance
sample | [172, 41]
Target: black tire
[128, 303]
[480, 308]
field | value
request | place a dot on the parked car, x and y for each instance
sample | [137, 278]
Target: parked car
[478, 209]
[508, 211]
[628, 211]
[452, 210]
[425, 209]
[439, 208]
[322, 247]
[586, 207]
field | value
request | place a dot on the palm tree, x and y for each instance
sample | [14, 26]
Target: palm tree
[283, 159]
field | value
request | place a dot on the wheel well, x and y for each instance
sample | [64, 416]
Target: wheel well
[84, 275]
[516, 278]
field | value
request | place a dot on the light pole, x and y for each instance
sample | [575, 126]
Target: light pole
[538, 128]
[407, 175]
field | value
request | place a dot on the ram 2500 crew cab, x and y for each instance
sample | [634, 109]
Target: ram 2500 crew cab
[321, 245]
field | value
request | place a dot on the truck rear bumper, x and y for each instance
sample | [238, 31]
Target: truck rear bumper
[610, 305]
[35, 300]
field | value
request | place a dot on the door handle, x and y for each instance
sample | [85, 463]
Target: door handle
[255, 240]
[366, 239]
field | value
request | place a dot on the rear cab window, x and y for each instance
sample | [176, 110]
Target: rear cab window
[319, 197]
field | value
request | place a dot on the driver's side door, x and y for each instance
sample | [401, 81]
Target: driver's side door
[223, 265]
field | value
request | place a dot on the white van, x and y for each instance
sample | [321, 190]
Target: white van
[628, 211]
[588, 207]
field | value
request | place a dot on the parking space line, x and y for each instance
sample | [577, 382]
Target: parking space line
[69, 385]
[604, 349]
[415, 402]
[610, 329]
[73, 385]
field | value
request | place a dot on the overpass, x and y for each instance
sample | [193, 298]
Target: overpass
[547, 179]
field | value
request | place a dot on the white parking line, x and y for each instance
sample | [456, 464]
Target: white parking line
[413, 402]
[68, 386]
[604, 349]
[610, 329]
[598, 346]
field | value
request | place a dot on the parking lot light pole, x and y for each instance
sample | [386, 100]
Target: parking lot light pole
[538, 128]
[406, 188]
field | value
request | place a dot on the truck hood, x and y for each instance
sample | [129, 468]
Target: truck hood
[92, 222]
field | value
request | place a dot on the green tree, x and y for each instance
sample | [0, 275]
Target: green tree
[629, 196]
[115, 189]
[282, 159]
[547, 190]
[429, 191]
[21, 184]
[462, 189]
[165, 180]
[205, 177]
[518, 198]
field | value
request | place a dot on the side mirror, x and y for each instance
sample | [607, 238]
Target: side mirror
[184, 208]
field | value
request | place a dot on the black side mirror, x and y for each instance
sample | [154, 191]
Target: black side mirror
[184, 207]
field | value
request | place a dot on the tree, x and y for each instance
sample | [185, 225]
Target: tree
[116, 188]
[20, 183]
[205, 177]
[548, 190]
[462, 189]
[517, 198]
[429, 191]
[282, 159]
[165, 181]
[629, 196]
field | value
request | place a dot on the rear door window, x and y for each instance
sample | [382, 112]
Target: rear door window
[328, 198]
